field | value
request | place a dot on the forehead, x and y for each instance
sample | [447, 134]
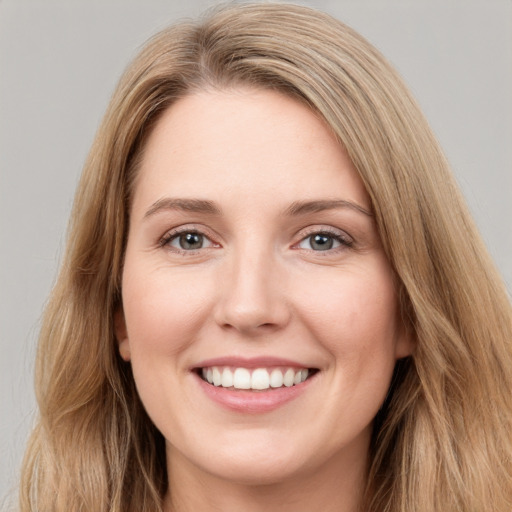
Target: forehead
[245, 141]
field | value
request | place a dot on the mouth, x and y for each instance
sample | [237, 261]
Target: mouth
[254, 379]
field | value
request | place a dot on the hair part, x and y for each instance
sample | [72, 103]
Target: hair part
[442, 439]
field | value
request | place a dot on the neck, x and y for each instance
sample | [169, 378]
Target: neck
[329, 488]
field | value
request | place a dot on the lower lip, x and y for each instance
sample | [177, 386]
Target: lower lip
[253, 402]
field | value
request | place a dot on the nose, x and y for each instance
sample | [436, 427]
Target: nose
[252, 295]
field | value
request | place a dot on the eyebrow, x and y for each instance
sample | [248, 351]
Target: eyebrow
[209, 207]
[303, 207]
[187, 205]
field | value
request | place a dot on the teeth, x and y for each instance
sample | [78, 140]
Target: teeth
[217, 377]
[276, 379]
[227, 378]
[259, 379]
[288, 378]
[242, 379]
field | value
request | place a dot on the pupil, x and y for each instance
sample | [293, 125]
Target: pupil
[321, 242]
[191, 241]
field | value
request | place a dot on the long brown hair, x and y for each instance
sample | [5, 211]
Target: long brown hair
[442, 440]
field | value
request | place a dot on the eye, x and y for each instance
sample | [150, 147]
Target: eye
[324, 241]
[186, 241]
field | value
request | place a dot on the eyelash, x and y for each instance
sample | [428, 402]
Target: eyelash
[342, 238]
[169, 237]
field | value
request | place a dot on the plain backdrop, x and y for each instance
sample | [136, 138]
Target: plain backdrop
[60, 60]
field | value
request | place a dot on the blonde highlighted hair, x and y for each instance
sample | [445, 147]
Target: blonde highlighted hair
[442, 440]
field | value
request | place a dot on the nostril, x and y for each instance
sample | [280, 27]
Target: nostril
[248, 303]
[246, 326]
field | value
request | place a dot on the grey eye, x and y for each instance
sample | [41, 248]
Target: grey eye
[189, 241]
[323, 242]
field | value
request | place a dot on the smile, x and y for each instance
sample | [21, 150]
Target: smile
[254, 385]
[257, 379]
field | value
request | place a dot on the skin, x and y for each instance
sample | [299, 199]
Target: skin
[257, 287]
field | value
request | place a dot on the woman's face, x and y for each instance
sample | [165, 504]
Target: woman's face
[253, 261]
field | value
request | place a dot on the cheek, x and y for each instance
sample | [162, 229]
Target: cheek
[354, 316]
[163, 309]
[353, 310]
[163, 312]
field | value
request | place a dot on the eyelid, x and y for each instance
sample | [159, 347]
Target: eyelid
[342, 236]
[172, 233]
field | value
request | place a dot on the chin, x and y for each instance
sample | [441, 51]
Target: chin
[267, 470]
[251, 458]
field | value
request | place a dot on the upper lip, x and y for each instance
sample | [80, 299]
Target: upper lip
[252, 362]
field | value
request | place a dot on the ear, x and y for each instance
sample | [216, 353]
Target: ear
[406, 337]
[122, 334]
[405, 344]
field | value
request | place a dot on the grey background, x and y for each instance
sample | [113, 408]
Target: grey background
[60, 60]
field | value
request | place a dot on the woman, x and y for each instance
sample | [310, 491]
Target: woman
[273, 295]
